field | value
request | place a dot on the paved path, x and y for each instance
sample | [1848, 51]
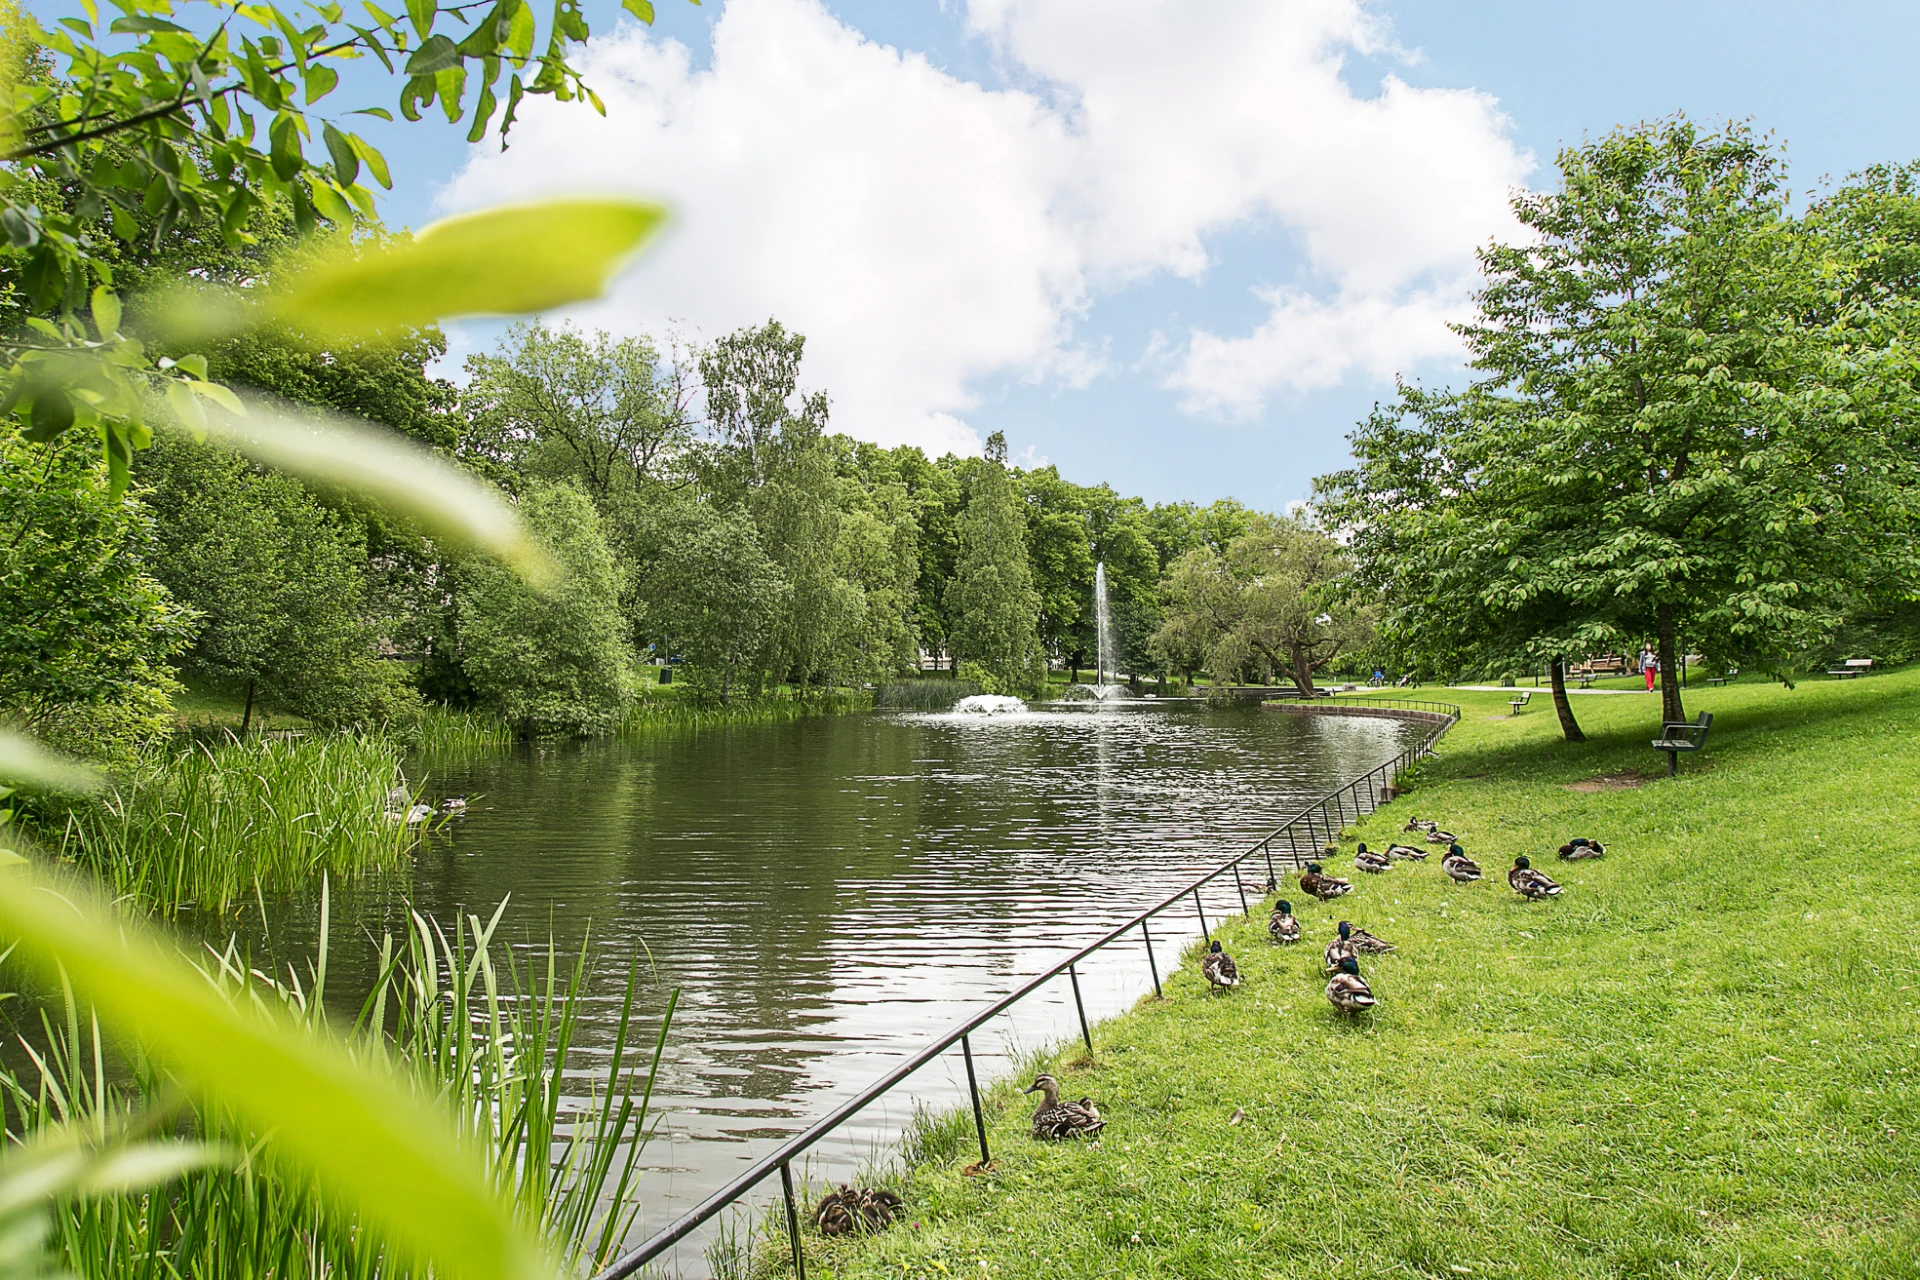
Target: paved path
[1496, 688]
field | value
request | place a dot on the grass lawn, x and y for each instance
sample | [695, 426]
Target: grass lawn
[1702, 1060]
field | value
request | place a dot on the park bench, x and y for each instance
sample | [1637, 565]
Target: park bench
[1675, 738]
[1724, 676]
[1851, 667]
[1519, 704]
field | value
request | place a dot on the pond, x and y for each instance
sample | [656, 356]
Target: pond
[830, 893]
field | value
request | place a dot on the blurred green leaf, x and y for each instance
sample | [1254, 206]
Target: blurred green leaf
[360, 1131]
[505, 261]
[25, 763]
[381, 467]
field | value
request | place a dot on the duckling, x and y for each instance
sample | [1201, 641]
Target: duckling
[1458, 865]
[1365, 859]
[1054, 1119]
[1321, 885]
[1529, 883]
[855, 1209]
[1347, 991]
[1581, 847]
[1437, 836]
[1218, 968]
[1367, 944]
[1406, 852]
[1341, 948]
[1281, 926]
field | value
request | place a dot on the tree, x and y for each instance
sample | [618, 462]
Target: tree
[1060, 558]
[85, 631]
[991, 603]
[279, 583]
[712, 596]
[609, 412]
[553, 661]
[1675, 433]
[1278, 595]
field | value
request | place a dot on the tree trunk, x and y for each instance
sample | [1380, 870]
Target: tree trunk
[1563, 705]
[1670, 709]
[246, 717]
[1302, 672]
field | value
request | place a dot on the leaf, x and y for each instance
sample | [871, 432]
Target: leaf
[320, 81]
[287, 159]
[25, 763]
[106, 312]
[148, 1164]
[52, 414]
[346, 161]
[135, 26]
[505, 261]
[385, 469]
[332, 205]
[437, 54]
[376, 163]
[639, 9]
[367, 1138]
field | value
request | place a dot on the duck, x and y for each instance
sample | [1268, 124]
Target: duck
[855, 1209]
[1581, 847]
[1436, 836]
[1341, 948]
[1321, 885]
[453, 804]
[1420, 824]
[1406, 852]
[1218, 968]
[412, 816]
[1273, 886]
[1054, 1119]
[1458, 865]
[1365, 859]
[1282, 928]
[1529, 883]
[1347, 991]
[1368, 944]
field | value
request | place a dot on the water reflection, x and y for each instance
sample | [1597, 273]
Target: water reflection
[829, 894]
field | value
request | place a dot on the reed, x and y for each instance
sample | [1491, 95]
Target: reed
[442, 730]
[924, 695]
[559, 1131]
[214, 823]
[654, 711]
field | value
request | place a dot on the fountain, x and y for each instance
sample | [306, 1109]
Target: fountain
[989, 704]
[1104, 658]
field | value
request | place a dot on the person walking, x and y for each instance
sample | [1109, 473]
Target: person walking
[1649, 665]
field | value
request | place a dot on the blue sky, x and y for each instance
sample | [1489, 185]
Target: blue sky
[1081, 343]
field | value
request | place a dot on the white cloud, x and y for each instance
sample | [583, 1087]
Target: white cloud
[928, 233]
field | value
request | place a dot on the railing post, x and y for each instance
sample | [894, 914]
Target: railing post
[1245, 910]
[973, 1089]
[793, 1224]
[1201, 907]
[1080, 1006]
[1266, 847]
[1151, 966]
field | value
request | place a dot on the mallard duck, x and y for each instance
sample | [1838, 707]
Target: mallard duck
[1273, 886]
[1406, 851]
[1529, 883]
[412, 816]
[1581, 847]
[1341, 948]
[855, 1209]
[453, 805]
[1458, 865]
[1217, 968]
[1365, 859]
[1420, 824]
[1281, 926]
[1321, 885]
[1347, 991]
[1437, 836]
[1367, 944]
[1054, 1119]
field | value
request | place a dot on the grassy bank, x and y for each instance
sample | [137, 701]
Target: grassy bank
[1702, 1060]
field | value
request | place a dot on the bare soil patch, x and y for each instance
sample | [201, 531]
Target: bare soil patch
[1626, 780]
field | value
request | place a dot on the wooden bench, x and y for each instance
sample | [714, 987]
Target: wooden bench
[1675, 738]
[1519, 704]
[1851, 667]
[1724, 676]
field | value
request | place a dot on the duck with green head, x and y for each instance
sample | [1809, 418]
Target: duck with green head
[1347, 991]
[1282, 928]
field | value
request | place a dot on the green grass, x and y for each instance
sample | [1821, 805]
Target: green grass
[936, 694]
[210, 824]
[659, 708]
[1703, 1060]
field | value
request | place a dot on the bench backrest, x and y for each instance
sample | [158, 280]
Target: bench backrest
[1695, 732]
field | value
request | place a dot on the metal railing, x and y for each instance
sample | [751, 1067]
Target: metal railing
[1338, 808]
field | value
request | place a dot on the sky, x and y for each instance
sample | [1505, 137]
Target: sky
[1180, 248]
